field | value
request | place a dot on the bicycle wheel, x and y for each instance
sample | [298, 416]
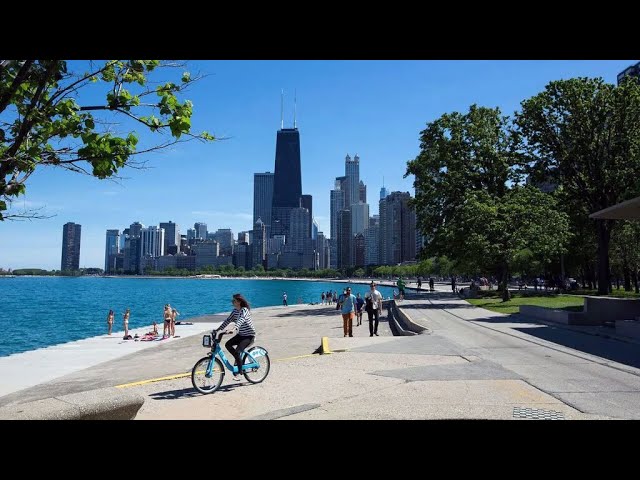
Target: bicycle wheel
[199, 378]
[257, 374]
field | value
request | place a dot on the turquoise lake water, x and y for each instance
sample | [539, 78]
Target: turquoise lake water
[41, 311]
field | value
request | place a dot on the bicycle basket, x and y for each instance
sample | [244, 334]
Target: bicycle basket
[206, 341]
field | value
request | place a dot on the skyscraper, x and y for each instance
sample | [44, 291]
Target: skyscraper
[258, 247]
[111, 249]
[336, 204]
[287, 180]
[363, 192]
[397, 229]
[171, 236]
[263, 199]
[70, 246]
[201, 230]
[352, 172]
[306, 201]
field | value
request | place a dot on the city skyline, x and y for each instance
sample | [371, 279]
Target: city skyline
[375, 109]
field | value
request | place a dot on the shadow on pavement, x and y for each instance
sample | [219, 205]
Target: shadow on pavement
[609, 348]
[190, 392]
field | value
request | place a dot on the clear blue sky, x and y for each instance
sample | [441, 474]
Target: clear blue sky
[373, 108]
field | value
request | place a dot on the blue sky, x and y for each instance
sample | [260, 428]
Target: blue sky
[375, 109]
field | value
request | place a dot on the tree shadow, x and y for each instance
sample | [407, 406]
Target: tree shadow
[596, 343]
[594, 340]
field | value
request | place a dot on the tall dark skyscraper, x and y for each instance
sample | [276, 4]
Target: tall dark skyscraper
[70, 246]
[263, 199]
[287, 181]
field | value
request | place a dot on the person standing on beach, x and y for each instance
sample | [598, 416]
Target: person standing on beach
[284, 299]
[166, 332]
[125, 317]
[241, 315]
[174, 315]
[110, 320]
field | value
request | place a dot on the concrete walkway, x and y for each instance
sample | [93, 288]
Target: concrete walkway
[471, 363]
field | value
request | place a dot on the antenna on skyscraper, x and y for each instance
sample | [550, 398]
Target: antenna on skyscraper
[282, 109]
[295, 95]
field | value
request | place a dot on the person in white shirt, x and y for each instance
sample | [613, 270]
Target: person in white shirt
[373, 307]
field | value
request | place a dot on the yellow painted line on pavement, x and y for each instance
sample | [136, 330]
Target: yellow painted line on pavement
[188, 374]
[160, 379]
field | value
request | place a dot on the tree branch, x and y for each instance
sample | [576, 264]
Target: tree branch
[5, 98]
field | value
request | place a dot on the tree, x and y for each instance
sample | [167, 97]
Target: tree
[585, 134]
[499, 230]
[44, 123]
[459, 153]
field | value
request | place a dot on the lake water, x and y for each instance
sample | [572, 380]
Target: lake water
[41, 311]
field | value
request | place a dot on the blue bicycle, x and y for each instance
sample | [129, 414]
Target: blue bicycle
[208, 372]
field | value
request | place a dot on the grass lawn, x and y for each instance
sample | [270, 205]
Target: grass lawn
[565, 302]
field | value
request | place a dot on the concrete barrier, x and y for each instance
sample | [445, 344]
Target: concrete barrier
[406, 322]
[101, 404]
[558, 316]
[601, 309]
[397, 322]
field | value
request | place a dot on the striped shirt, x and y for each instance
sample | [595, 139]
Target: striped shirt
[242, 319]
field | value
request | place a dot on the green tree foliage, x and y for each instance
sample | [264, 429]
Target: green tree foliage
[499, 231]
[459, 153]
[468, 200]
[584, 134]
[47, 119]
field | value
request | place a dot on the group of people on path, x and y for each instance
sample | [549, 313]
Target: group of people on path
[351, 306]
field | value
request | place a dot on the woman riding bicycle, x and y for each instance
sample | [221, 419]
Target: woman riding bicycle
[241, 315]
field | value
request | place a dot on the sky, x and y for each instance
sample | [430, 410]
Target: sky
[375, 109]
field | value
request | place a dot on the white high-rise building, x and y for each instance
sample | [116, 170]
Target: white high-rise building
[152, 240]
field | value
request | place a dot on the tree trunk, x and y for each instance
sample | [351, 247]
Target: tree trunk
[604, 235]
[506, 295]
[627, 277]
[635, 280]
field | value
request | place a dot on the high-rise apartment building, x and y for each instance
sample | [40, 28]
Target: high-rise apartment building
[632, 71]
[111, 249]
[171, 236]
[70, 246]
[352, 172]
[397, 229]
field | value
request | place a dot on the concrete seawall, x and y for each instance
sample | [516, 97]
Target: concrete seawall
[102, 404]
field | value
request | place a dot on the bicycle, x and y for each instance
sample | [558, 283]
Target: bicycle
[208, 372]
